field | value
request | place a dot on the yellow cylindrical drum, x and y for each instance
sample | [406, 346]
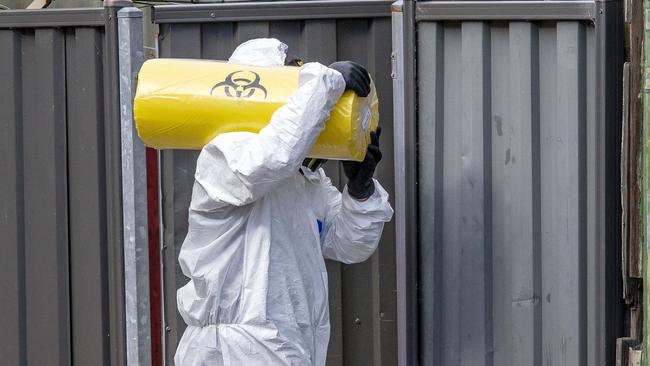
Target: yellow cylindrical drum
[183, 104]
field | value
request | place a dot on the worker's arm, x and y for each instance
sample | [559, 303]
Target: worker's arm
[239, 168]
[353, 227]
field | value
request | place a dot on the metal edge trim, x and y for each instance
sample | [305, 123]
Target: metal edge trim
[280, 10]
[52, 18]
[505, 10]
[114, 199]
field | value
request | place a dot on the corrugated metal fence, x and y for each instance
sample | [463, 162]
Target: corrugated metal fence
[362, 297]
[507, 221]
[518, 135]
[60, 226]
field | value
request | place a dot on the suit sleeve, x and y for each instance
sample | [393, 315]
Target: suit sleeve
[352, 228]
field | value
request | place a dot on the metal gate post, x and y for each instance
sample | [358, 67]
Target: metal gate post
[403, 74]
[134, 192]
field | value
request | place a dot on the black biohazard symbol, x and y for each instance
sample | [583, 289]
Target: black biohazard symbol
[238, 85]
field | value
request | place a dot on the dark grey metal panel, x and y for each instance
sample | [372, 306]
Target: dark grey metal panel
[46, 221]
[362, 297]
[12, 252]
[86, 191]
[518, 158]
[53, 203]
[605, 318]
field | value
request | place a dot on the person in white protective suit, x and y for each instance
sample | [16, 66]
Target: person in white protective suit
[260, 224]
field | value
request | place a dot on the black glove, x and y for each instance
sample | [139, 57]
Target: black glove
[355, 76]
[360, 183]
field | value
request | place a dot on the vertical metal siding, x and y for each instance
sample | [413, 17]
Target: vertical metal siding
[362, 296]
[45, 199]
[517, 183]
[12, 252]
[86, 189]
[53, 201]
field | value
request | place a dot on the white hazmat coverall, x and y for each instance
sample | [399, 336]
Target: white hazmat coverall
[259, 229]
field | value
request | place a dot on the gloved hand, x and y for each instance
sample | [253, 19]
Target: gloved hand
[355, 76]
[360, 183]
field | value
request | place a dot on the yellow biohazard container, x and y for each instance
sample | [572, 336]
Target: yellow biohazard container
[183, 104]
